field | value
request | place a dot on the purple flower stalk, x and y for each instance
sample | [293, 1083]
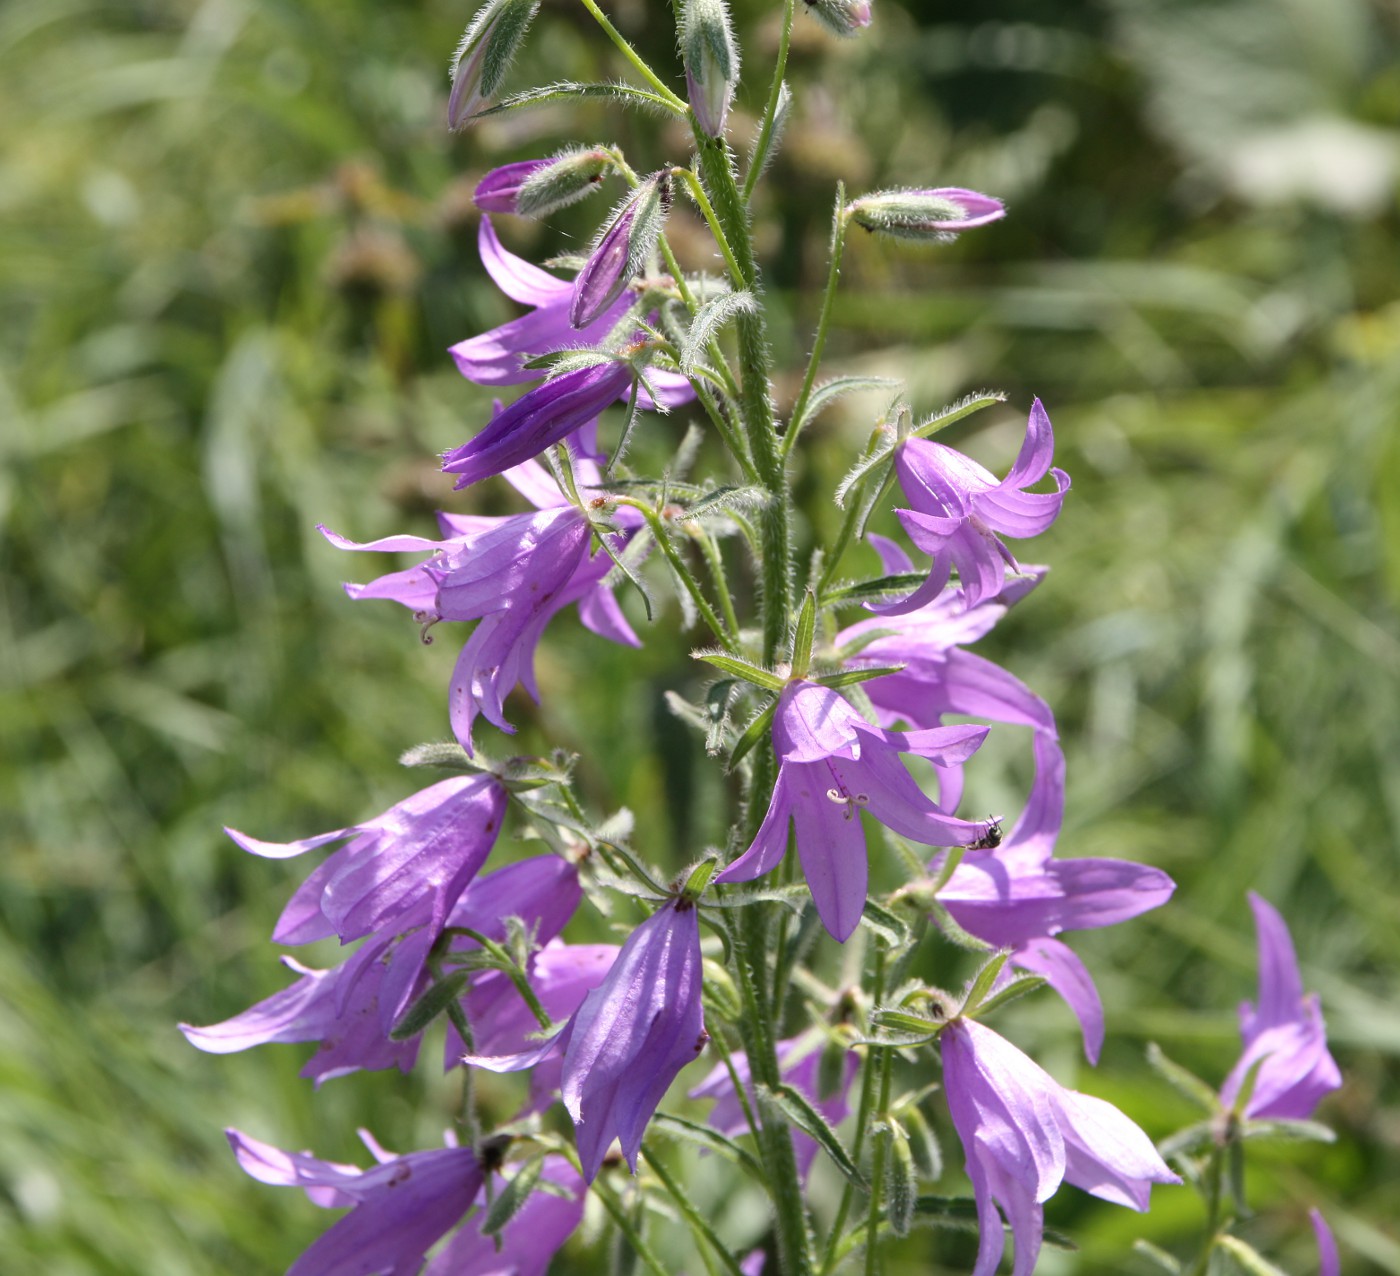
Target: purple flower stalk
[958, 509]
[399, 1208]
[622, 250]
[1283, 1032]
[1023, 1134]
[1018, 896]
[833, 763]
[629, 1038]
[404, 868]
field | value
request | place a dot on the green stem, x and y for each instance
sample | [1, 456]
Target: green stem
[741, 1088]
[690, 1213]
[1214, 1175]
[624, 1224]
[715, 562]
[770, 111]
[848, 527]
[707, 210]
[838, 243]
[634, 58]
[727, 639]
[877, 1173]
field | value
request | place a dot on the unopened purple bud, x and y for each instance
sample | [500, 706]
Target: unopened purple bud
[925, 214]
[711, 62]
[485, 54]
[621, 251]
[499, 190]
[841, 17]
[535, 188]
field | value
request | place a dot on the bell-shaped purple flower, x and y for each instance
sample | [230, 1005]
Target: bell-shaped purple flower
[621, 250]
[399, 1208]
[1283, 1032]
[498, 357]
[1023, 1134]
[959, 511]
[832, 764]
[526, 1245]
[513, 575]
[1016, 895]
[402, 869]
[799, 1060]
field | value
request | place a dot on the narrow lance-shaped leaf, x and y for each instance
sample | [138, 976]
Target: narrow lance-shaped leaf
[512, 1197]
[709, 321]
[798, 1110]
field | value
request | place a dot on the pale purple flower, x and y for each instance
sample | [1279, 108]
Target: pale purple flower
[711, 62]
[840, 17]
[498, 191]
[1284, 1030]
[484, 56]
[621, 251]
[832, 764]
[799, 1059]
[399, 1208]
[960, 511]
[937, 213]
[350, 1009]
[1329, 1261]
[498, 357]
[513, 575]
[1018, 896]
[527, 1244]
[536, 188]
[1023, 1134]
[629, 1037]
[402, 869]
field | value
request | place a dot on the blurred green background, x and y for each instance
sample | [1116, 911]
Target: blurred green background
[234, 242]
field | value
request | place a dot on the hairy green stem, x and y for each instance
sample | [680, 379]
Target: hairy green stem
[838, 243]
[628, 52]
[770, 112]
[604, 1193]
[690, 1213]
[727, 640]
[877, 1172]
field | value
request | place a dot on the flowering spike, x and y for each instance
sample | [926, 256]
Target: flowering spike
[484, 56]
[621, 251]
[711, 62]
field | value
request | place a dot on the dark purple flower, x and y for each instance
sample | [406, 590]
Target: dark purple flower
[925, 214]
[1283, 1032]
[498, 357]
[498, 191]
[527, 1244]
[536, 188]
[1329, 1261]
[833, 763]
[621, 250]
[1023, 1134]
[399, 1208]
[958, 509]
[629, 1037]
[799, 1059]
[513, 575]
[1017, 896]
[404, 868]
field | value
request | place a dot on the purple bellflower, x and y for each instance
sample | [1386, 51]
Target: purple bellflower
[629, 1037]
[799, 1059]
[526, 1245]
[1283, 1032]
[958, 509]
[622, 249]
[399, 1208]
[513, 575]
[832, 763]
[499, 190]
[402, 869]
[1329, 1261]
[536, 188]
[1023, 1133]
[1018, 896]
[498, 357]
[925, 214]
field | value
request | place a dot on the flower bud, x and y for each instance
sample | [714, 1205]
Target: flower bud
[841, 17]
[711, 62]
[925, 214]
[536, 188]
[621, 251]
[484, 55]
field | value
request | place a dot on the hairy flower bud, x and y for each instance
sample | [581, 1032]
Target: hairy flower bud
[485, 54]
[621, 251]
[925, 214]
[840, 17]
[536, 188]
[711, 61]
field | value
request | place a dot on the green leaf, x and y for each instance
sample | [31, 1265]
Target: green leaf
[623, 93]
[1185, 1082]
[756, 731]
[958, 1213]
[719, 700]
[984, 979]
[759, 677]
[881, 456]
[798, 1110]
[854, 677]
[450, 757]
[1167, 1262]
[704, 1136]
[512, 1197]
[829, 391]
[1013, 991]
[1287, 1131]
[709, 320]
[1248, 1258]
[889, 929]
[956, 412]
[901, 1182]
[928, 1156]
[726, 498]
[1191, 1139]
[803, 635]
[905, 1021]
[874, 590]
[430, 1005]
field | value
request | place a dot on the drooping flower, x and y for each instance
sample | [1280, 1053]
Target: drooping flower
[833, 763]
[621, 250]
[484, 55]
[538, 187]
[799, 1061]
[512, 575]
[958, 509]
[399, 1208]
[1023, 1134]
[630, 1036]
[937, 213]
[1016, 895]
[402, 869]
[711, 62]
[526, 1245]
[1283, 1032]
[498, 357]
